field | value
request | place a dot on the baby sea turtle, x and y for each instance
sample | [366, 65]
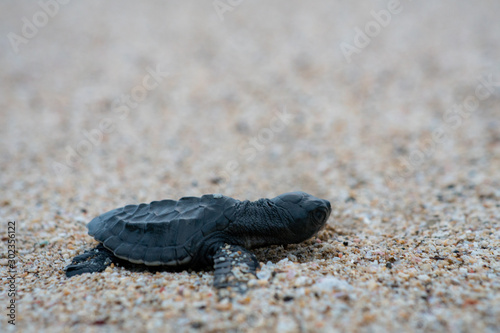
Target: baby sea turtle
[211, 231]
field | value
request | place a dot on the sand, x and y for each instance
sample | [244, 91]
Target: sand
[389, 111]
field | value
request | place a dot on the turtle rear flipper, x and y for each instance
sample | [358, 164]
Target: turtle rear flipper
[234, 266]
[95, 260]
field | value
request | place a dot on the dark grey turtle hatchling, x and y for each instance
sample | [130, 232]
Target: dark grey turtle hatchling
[211, 231]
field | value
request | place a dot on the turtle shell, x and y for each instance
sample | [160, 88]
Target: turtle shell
[166, 232]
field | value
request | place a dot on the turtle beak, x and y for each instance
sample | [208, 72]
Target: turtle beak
[327, 203]
[328, 206]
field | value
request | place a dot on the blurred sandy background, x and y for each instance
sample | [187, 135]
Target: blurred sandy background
[253, 99]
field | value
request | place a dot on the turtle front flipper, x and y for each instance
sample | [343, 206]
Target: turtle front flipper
[95, 260]
[234, 267]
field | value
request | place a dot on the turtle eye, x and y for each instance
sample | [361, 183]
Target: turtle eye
[319, 215]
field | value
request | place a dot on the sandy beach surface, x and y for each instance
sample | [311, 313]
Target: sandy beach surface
[390, 110]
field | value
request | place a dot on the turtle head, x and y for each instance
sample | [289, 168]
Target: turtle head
[306, 214]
